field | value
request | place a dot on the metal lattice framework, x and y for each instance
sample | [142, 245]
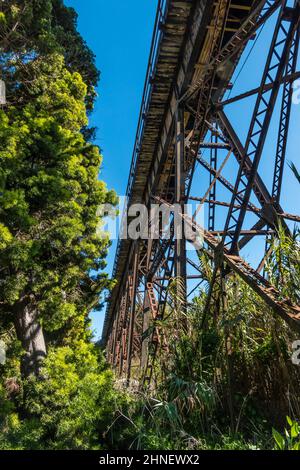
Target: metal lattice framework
[185, 138]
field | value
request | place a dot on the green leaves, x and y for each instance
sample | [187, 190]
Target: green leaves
[71, 401]
[291, 441]
[295, 171]
[280, 441]
[283, 266]
[65, 409]
[5, 237]
[2, 18]
[50, 193]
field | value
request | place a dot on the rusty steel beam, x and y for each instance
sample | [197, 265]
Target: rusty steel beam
[287, 80]
[283, 307]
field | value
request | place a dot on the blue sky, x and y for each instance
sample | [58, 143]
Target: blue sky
[120, 34]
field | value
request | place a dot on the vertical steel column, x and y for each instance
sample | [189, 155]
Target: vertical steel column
[260, 123]
[112, 341]
[132, 310]
[180, 242]
[120, 354]
[283, 132]
[285, 116]
[146, 325]
[213, 191]
[146, 312]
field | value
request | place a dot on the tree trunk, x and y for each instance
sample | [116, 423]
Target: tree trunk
[30, 333]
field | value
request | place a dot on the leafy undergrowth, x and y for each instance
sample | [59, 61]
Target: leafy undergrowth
[66, 408]
[291, 438]
[223, 378]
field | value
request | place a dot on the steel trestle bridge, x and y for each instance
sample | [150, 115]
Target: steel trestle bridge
[184, 134]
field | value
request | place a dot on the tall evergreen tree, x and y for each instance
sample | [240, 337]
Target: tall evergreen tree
[51, 253]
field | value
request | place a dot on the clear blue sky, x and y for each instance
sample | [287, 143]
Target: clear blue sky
[120, 34]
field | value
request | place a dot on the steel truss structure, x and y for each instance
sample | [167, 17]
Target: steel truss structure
[201, 144]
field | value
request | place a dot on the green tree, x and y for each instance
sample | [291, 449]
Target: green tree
[51, 251]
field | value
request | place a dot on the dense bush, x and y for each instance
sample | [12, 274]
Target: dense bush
[67, 407]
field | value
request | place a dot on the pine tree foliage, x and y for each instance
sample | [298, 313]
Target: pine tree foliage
[52, 250]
